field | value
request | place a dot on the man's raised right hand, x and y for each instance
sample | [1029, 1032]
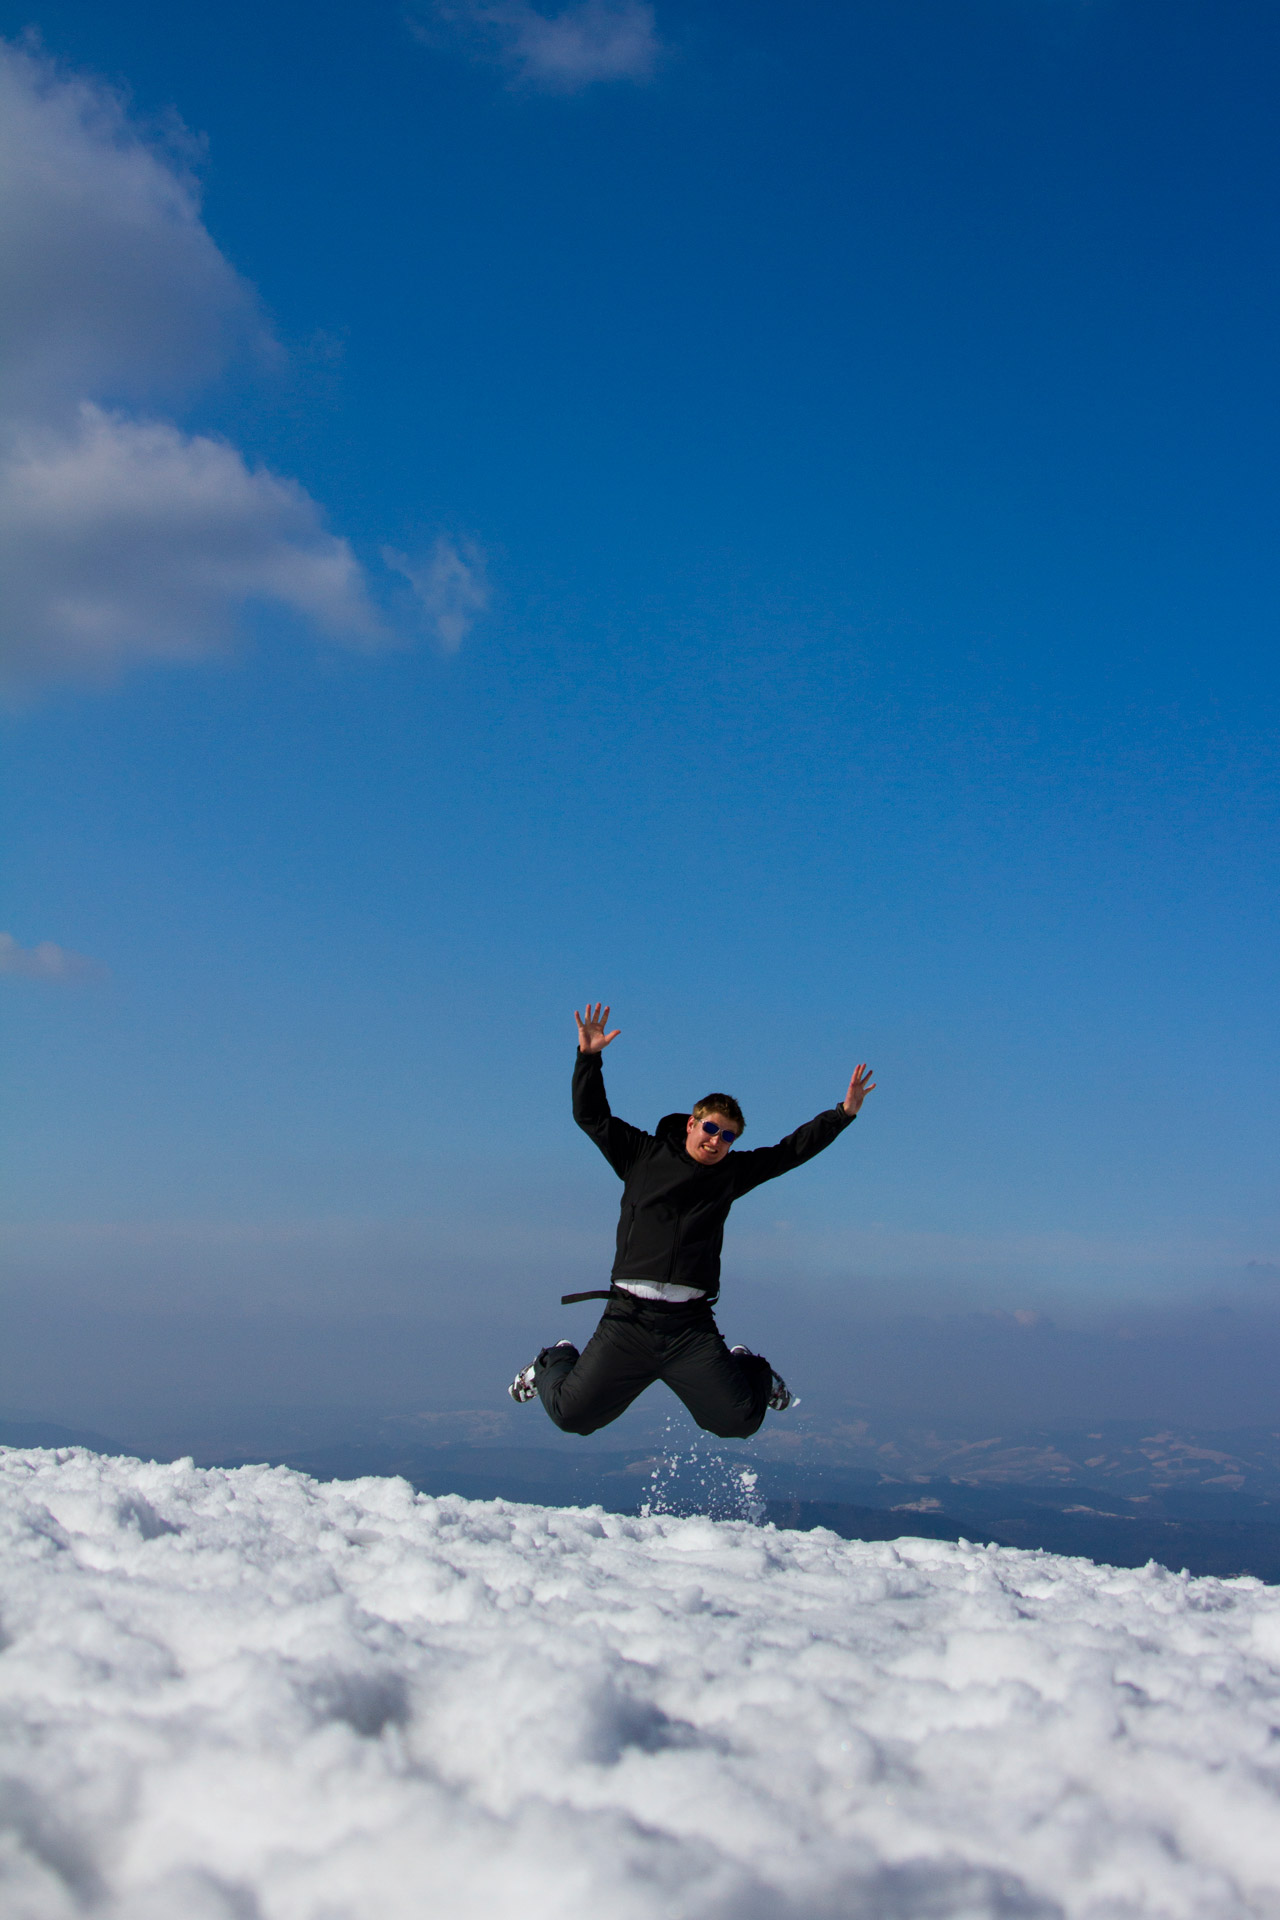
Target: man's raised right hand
[592, 1037]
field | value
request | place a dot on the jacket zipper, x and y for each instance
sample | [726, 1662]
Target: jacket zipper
[675, 1245]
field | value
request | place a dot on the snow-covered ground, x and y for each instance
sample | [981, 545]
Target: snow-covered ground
[246, 1696]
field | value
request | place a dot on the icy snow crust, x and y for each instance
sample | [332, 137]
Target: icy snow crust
[246, 1696]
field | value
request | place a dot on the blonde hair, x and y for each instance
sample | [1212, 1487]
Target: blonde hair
[720, 1103]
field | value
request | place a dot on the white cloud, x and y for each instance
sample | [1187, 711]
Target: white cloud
[127, 540]
[123, 539]
[44, 962]
[565, 51]
[110, 285]
[450, 586]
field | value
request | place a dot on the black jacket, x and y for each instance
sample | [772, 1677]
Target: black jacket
[673, 1209]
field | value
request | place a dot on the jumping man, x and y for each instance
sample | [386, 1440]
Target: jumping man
[678, 1187]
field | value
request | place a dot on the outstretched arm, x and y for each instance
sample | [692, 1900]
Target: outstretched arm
[766, 1163]
[859, 1087]
[619, 1142]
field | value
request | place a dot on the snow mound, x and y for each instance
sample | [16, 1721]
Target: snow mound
[246, 1696]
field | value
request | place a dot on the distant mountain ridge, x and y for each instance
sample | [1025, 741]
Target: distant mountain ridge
[1120, 1493]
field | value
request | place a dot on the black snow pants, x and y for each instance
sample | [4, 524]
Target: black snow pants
[640, 1341]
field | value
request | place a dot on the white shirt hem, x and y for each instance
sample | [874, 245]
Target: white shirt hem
[661, 1290]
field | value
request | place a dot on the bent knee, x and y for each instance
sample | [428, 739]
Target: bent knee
[571, 1412]
[579, 1423]
[733, 1426]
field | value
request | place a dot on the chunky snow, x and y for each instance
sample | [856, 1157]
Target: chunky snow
[246, 1696]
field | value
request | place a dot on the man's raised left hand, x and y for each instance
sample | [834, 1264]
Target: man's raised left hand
[859, 1087]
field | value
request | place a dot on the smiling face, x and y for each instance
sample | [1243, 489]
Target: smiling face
[706, 1148]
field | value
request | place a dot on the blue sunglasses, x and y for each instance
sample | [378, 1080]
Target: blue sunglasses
[727, 1134]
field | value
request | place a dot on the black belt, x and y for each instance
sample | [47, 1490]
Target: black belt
[635, 1299]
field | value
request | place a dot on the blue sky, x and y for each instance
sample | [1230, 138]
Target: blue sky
[765, 515]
